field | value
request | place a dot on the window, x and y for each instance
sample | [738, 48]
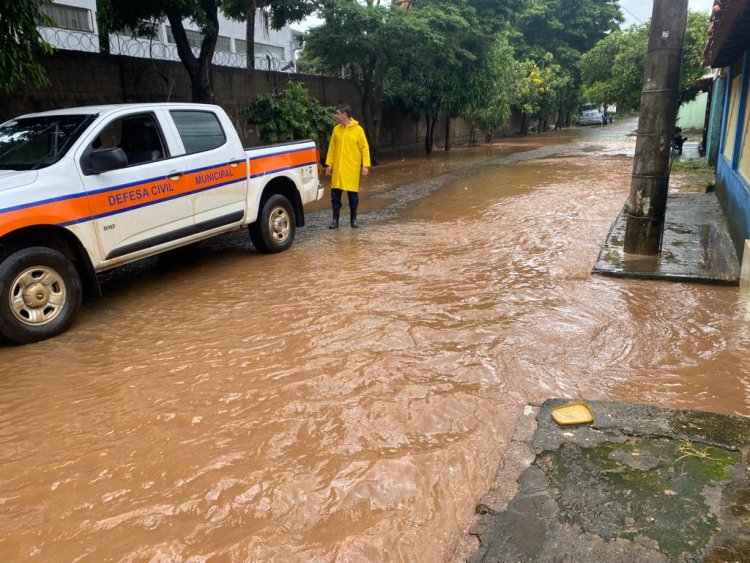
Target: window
[222, 44]
[137, 135]
[146, 30]
[732, 117]
[200, 130]
[195, 38]
[744, 164]
[263, 49]
[69, 17]
[37, 142]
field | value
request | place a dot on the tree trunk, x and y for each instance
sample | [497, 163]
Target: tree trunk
[560, 119]
[371, 90]
[252, 7]
[429, 135]
[102, 22]
[447, 132]
[524, 123]
[199, 69]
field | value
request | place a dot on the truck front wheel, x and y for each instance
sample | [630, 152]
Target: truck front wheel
[40, 294]
[274, 230]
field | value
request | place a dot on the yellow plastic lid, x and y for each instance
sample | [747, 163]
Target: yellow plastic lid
[572, 413]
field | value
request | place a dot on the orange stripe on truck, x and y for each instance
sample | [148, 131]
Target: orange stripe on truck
[272, 163]
[60, 212]
[78, 208]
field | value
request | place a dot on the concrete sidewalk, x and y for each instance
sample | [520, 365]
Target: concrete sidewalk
[696, 246]
[640, 483]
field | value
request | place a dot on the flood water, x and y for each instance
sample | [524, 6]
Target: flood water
[351, 398]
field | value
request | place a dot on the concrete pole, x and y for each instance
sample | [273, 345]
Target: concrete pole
[647, 204]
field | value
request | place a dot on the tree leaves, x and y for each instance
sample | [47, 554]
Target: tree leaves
[289, 115]
[21, 45]
[612, 72]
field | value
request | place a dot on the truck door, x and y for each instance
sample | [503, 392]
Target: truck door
[142, 205]
[216, 169]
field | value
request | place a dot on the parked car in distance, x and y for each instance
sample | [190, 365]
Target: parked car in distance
[591, 114]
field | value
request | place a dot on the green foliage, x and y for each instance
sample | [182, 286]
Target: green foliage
[491, 89]
[429, 72]
[566, 29]
[362, 40]
[613, 71]
[696, 36]
[444, 55]
[354, 37]
[290, 115]
[450, 61]
[536, 86]
[21, 45]
[420, 59]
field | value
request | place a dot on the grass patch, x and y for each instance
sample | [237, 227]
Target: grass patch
[692, 166]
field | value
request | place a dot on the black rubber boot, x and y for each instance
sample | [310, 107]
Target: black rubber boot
[353, 219]
[335, 223]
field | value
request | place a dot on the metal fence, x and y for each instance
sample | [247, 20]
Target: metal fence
[153, 49]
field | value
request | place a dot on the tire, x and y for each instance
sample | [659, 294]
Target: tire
[274, 230]
[40, 294]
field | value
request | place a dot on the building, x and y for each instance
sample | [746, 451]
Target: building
[728, 49]
[75, 28]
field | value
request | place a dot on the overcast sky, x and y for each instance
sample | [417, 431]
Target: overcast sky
[638, 11]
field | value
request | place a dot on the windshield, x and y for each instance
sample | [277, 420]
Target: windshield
[36, 142]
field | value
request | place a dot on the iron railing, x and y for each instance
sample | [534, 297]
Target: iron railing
[146, 48]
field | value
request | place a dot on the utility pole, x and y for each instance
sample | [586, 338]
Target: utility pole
[649, 185]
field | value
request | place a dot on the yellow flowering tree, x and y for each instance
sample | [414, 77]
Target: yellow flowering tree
[535, 89]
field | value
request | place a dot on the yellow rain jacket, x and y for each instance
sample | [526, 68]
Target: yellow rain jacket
[347, 153]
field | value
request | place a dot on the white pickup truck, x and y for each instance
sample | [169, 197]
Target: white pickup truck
[83, 190]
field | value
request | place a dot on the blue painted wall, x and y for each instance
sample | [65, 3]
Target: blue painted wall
[732, 190]
[734, 195]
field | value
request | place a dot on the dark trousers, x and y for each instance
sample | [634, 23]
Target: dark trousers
[336, 199]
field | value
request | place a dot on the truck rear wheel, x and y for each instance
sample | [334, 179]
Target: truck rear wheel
[274, 230]
[40, 294]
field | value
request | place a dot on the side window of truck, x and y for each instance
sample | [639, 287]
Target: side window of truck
[200, 130]
[138, 136]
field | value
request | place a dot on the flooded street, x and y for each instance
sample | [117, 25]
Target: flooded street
[351, 398]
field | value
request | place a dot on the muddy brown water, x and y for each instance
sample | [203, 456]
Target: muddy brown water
[349, 399]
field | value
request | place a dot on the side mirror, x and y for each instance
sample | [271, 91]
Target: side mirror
[104, 160]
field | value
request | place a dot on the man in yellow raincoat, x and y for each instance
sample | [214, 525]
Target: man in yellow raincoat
[348, 157]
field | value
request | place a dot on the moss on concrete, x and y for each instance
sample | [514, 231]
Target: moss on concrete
[643, 489]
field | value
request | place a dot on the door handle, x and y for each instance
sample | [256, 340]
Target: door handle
[174, 175]
[235, 162]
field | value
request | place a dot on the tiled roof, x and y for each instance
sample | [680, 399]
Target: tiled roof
[729, 32]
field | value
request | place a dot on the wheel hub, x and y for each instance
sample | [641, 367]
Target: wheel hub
[279, 224]
[36, 295]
